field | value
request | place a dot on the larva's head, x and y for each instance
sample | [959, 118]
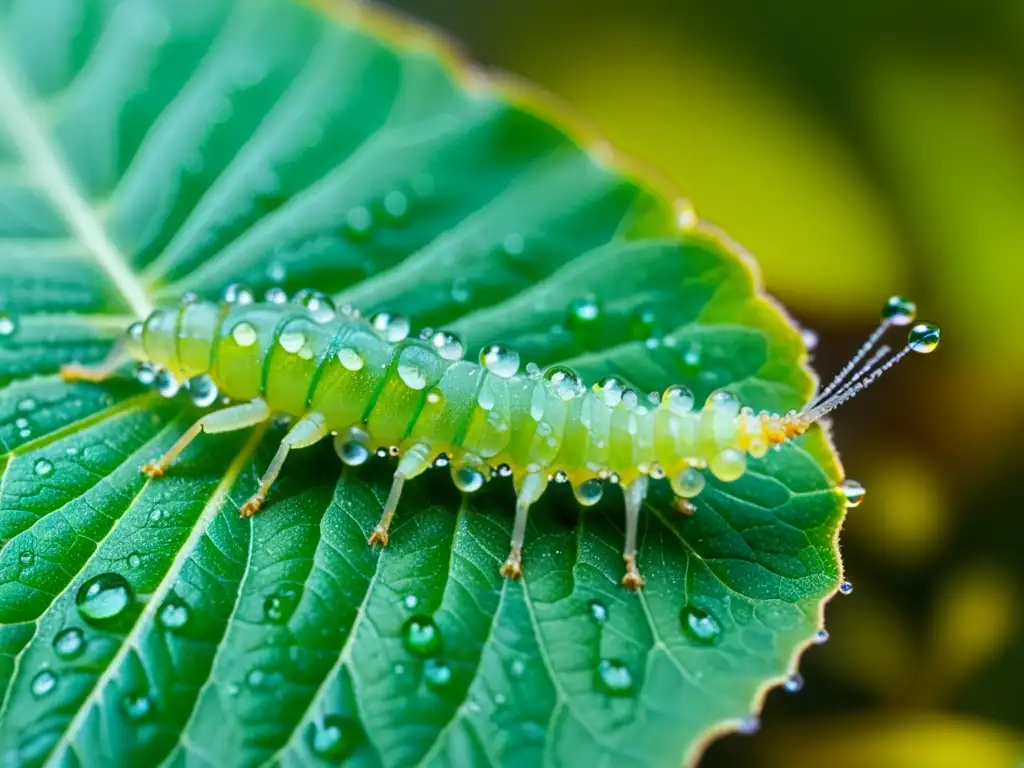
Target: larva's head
[898, 311]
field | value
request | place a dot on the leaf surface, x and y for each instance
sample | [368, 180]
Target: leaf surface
[154, 147]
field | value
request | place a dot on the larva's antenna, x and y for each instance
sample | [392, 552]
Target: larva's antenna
[923, 338]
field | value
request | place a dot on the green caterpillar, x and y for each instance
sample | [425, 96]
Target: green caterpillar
[372, 387]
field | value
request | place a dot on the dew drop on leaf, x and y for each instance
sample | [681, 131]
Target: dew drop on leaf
[279, 606]
[854, 493]
[821, 637]
[516, 668]
[598, 610]
[700, 626]
[794, 683]
[437, 673]
[69, 643]
[174, 614]
[8, 325]
[136, 706]
[104, 597]
[421, 636]
[410, 601]
[396, 206]
[27, 557]
[333, 738]
[584, 314]
[134, 560]
[43, 467]
[43, 683]
[615, 677]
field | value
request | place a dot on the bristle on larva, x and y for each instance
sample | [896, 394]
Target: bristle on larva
[371, 387]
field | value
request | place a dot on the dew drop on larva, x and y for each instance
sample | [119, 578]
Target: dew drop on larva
[467, 478]
[240, 294]
[448, 345]
[350, 358]
[393, 328]
[244, 334]
[276, 295]
[500, 360]
[564, 382]
[166, 384]
[688, 483]
[318, 304]
[589, 492]
[610, 390]
[410, 371]
[728, 465]
[679, 399]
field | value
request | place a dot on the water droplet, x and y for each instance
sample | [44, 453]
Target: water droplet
[899, 310]
[136, 706]
[854, 492]
[236, 293]
[610, 389]
[350, 359]
[396, 206]
[688, 483]
[821, 637]
[43, 683]
[21, 423]
[359, 223]
[643, 324]
[584, 313]
[794, 683]
[564, 382]
[448, 345]
[467, 478]
[846, 588]
[27, 557]
[393, 328]
[134, 561]
[598, 610]
[560, 476]
[410, 601]
[437, 673]
[104, 597]
[202, 391]
[516, 668]
[174, 614]
[513, 244]
[354, 448]
[145, 374]
[43, 467]
[615, 677]
[504, 470]
[533, 371]
[276, 271]
[69, 643]
[156, 515]
[500, 360]
[276, 295]
[700, 626]
[630, 399]
[728, 465]
[244, 334]
[279, 606]
[461, 291]
[166, 384]
[924, 338]
[421, 636]
[589, 492]
[809, 338]
[409, 370]
[749, 725]
[8, 325]
[318, 304]
[332, 739]
[679, 399]
[295, 343]
[256, 679]
[27, 405]
[691, 356]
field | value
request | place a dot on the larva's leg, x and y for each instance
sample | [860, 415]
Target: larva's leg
[228, 420]
[308, 430]
[415, 461]
[532, 488]
[105, 369]
[635, 494]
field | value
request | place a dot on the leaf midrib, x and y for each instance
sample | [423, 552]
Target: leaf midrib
[43, 160]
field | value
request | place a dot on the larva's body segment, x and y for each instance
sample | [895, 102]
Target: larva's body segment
[374, 388]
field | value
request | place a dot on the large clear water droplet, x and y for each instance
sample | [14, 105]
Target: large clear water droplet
[688, 483]
[679, 399]
[202, 391]
[924, 338]
[393, 328]
[467, 478]
[500, 360]
[104, 597]
[354, 449]
[319, 305]
[69, 643]
[700, 625]
[276, 295]
[564, 382]
[166, 384]
[589, 492]
[448, 345]
[421, 636]
[610, 390]
[410, 371]
[615, 677]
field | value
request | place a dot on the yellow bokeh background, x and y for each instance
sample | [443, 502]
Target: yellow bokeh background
[858, 150]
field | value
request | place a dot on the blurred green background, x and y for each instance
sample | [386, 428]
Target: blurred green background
[859, 149]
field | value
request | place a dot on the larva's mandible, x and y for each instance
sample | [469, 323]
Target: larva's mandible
[371, 386]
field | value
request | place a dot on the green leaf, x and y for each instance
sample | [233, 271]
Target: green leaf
[153, 147]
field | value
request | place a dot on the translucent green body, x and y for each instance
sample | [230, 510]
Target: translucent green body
[400, 394]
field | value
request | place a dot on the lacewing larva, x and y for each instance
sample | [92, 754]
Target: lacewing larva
[372, 387]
